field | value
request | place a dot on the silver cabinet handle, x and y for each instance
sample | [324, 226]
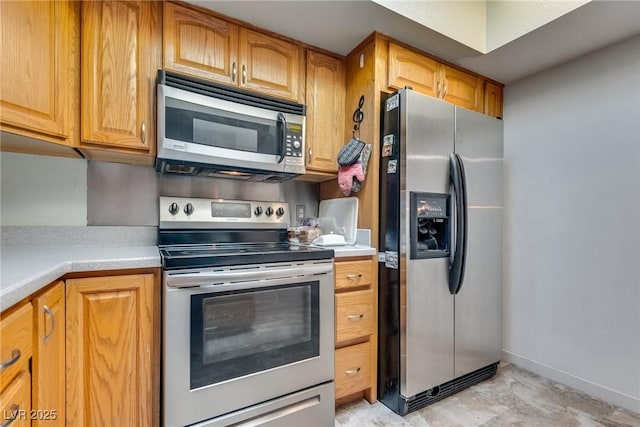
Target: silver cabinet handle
[14, 410]
[143, 132]
[49, 313]
[438, 90]
[355, 317]
[234, 71]
[352, 372]
[15, 355]
[444, 91]
[354, 276]
[310, 153]
[244, 74]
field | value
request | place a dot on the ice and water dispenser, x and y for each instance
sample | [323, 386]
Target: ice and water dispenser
[430, 225]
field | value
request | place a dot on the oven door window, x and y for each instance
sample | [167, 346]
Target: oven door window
[198, 124]
[241, 333]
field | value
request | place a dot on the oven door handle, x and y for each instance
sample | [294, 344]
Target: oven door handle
[228, 277]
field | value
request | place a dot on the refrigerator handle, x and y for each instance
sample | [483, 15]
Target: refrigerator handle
[457, 266]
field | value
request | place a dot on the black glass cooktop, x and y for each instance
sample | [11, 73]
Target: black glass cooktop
[226, 254]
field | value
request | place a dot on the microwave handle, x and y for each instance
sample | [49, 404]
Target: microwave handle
[282, 133]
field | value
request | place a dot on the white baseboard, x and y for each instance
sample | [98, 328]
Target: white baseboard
[607, 394]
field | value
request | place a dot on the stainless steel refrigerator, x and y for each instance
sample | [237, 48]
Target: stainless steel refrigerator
[440, 295]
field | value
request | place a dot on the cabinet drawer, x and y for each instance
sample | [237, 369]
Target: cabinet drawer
[353, 369]
[353, 273]
[354, 315]
[15, 401]
[16, 341]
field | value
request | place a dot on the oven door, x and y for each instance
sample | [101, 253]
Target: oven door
[239, 336]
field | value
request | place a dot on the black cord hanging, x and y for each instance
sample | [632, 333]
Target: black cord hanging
[358, 116]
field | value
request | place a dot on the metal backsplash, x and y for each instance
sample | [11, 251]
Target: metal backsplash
[120, 194]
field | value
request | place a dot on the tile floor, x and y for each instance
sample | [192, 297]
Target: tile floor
[514, 397]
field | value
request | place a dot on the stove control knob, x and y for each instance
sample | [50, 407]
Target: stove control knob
[258, 211]
[280, 212]
[188, 209]
[174, 208]
[269, 211]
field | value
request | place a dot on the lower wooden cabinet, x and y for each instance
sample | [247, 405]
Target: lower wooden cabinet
[110, 350]
[353, 369]
[16, 329]
[48, 364]
[94, 345]
[356, 297]
[16, 332]
[15, 401]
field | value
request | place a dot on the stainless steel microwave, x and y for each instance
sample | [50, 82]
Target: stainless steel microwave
[212, 130]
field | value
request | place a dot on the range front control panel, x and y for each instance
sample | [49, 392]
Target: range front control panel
[178, 212]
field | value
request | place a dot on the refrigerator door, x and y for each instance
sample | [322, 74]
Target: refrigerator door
[478, 303]
[426, 306]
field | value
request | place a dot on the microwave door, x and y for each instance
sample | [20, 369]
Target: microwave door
[207, 130]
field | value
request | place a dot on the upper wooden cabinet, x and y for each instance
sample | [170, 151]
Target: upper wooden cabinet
[120, 58]
[201, 44]
[39, 56]
[493, 100]
[462, 89]
[426, 75]
[325, 92]
[270, 65]
[409, 68]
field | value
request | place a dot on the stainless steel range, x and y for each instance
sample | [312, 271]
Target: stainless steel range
[248, 319]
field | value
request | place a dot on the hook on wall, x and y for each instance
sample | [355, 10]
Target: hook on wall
[358, 116]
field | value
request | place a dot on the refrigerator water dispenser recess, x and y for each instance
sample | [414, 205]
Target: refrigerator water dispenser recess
[430, 228]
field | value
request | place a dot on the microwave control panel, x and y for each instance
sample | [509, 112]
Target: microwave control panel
[294, 154]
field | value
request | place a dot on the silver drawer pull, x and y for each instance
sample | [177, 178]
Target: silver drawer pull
[354, 276]
[355, 317]
[15, 355]
[352, 372]
[13, 412]
[49, 313]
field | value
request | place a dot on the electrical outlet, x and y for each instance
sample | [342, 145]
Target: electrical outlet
[301, 212]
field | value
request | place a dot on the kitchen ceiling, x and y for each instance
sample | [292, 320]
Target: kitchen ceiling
[339, 26]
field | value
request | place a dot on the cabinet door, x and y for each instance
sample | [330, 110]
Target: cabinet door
[110, 350]
[462, 89]
[15, 402]
[16, 341]
[269, 65]
[409, 68]
[38, 52]
[199, 44]
[492, 100]
[120, 58]
[325, 111]
[48, 389]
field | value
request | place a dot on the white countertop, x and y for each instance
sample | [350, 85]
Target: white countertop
[29, 262]
[349, 251]
[362, 246]
[27, 269]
